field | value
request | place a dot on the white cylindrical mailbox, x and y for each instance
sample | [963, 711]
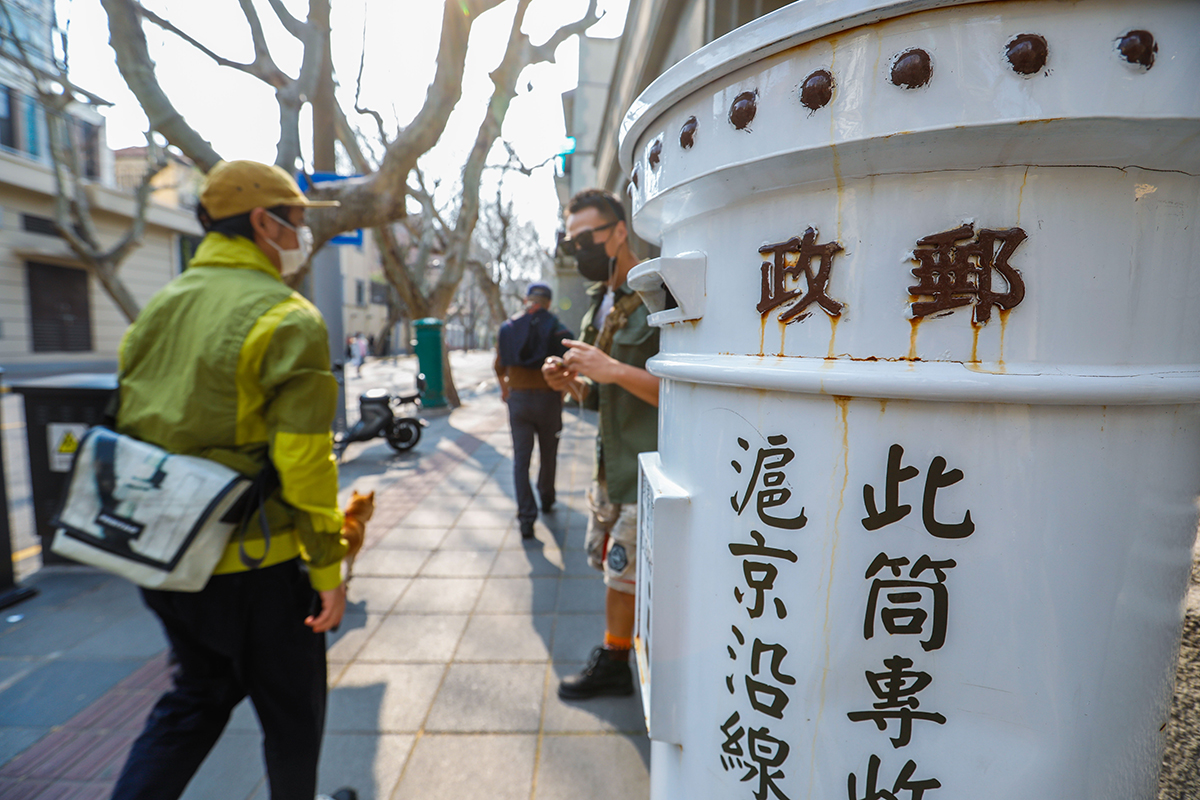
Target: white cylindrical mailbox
[921, 519]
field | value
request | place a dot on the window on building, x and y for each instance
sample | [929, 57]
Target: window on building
[360, 292]
[187, 249]
[87, 143]
[59, 312]
[8, 133]
[29, 26]
[379, 293]
[32, 223]
[34, 116]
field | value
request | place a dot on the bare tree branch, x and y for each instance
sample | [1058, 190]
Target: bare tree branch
[519, 53]
[515, 164]
[128, 41]
[262, 54]
[381, 197]
[170, 27]
[293, 26]
[422, 195]
[362, 60]
[350, 140]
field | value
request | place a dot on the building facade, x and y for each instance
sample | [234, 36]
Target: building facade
[366, 294]
[53, 309]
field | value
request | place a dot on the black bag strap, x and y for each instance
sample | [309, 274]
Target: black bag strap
[105, 467]
[262, 487]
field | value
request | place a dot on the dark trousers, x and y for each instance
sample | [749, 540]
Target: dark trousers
[243, 634]
[534, 412]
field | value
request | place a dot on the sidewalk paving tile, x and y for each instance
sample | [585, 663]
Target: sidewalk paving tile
[486, 518]
[537, 558]
[512, 637]
[243, 718]
[575, 562]
[53, 693]
[383, 698]
[491, 502]
[371, 763]
[579, 595]
[575, 635]
[390, 563]
[518, 595]
[459, 563]
[470, 767]
[440, 596]
[233, 768]
[591, 767]
[15, 667]
[14, 741]
[403, 537]
[139, 636]
[346, 642]
[489, 698]
[432, 515]
[414, 638]
[380, 594]
[476, 538]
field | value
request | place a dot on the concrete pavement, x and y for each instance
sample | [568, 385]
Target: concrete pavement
[442, 675]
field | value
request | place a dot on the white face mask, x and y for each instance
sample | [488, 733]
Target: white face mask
[290, 261]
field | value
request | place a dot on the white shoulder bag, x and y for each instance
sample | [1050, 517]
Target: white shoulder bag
[159, 519]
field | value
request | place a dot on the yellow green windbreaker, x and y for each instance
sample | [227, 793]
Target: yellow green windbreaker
[228, 363]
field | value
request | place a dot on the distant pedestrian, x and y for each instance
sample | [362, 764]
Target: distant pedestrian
[228, 363]
[358, 351]
[534, 409]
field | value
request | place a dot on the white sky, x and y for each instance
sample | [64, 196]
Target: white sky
[239, 115]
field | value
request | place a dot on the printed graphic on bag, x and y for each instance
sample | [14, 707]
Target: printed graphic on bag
[120, 486]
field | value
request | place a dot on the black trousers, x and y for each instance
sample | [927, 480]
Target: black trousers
[532, 413]
[242, 635]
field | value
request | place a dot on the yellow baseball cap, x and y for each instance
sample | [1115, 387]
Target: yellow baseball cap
[237, 187]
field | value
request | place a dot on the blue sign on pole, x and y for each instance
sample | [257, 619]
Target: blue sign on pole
[355, 237]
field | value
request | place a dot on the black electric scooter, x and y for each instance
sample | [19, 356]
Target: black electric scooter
[377, 417]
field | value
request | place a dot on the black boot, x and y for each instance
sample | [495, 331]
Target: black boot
[603, 675]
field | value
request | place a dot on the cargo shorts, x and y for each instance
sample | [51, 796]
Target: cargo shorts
[612, 539]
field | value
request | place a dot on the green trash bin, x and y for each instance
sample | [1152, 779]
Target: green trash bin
[429, 360]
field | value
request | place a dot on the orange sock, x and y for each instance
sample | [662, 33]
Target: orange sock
[616, 643]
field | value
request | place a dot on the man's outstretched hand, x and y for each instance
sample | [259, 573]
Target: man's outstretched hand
[591, 362]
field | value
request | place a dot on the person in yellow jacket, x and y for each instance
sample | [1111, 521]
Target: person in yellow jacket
[228, 363]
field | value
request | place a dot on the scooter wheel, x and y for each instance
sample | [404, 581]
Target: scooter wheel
[405, 433]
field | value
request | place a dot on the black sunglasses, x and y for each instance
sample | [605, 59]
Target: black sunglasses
[569, 246]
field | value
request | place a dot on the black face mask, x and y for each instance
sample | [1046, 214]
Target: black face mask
[593, 262]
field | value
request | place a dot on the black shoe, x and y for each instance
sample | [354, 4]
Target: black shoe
[345, 793]
[526, 530]
[603, 675]
[547, 507]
